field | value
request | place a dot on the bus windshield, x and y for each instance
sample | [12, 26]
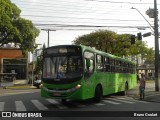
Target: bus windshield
[58, 67]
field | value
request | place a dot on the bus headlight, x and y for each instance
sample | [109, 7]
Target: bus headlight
[78, 86]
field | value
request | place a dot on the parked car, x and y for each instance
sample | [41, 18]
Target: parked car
[37, 83]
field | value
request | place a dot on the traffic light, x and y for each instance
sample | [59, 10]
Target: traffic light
[139, 36]
[132, 39]
[147, 34]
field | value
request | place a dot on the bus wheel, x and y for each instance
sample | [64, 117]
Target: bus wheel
[98, 94]
[125, 89]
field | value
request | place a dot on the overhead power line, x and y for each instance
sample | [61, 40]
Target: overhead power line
[144, 3]
[69, 25]
[79, 18]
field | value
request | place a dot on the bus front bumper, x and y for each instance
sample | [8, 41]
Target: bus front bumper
[72, 93]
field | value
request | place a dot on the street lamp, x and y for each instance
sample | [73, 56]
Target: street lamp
[151, 27]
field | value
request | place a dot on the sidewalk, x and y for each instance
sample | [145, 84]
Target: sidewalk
[19, 86]
[150, 94]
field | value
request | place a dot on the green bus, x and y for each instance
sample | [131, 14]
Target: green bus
[78, 72]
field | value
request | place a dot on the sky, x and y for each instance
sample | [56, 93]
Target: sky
[68, 19]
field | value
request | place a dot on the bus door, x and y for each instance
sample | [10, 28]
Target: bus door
[88, 73]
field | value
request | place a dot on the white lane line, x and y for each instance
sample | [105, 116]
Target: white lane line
[2, 106]
[111, 102]
[131, 99]
[124, 101]
[39, 105]
[57, 104]
[52, 101]
[20, 106]
[99, 104]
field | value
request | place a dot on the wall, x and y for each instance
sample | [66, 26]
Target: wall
[11, 53]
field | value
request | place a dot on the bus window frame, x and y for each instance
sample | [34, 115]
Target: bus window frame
[87, 74]
[107, 67]
[101, 64]
[112, 65]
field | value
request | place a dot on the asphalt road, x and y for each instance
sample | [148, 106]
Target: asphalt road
[32, 101]
[116, 106]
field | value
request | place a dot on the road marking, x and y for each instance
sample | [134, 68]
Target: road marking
[57, 104]
[99, 104]
[141, 101]
[20, 106]
[115, 99]
[39, 105]
[52, 101]
[130, 99]
[2, 106]
[108, 101]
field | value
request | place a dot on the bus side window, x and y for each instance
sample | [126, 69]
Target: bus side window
[106, 65]
[112, 63]
[121, 67]
[89, 67]
[99, 62]
[89, 64]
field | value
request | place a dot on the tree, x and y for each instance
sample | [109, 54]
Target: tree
[14, 29]
[98, 39]
[149, 56]
[107, 41]
[39, 62]
[122, 45]
[111, 42]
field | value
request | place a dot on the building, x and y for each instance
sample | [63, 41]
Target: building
[12, 61]
[142, 67]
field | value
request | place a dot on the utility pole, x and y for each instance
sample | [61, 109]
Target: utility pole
[156, 46]
[156, 34]
[48, 30]
[48, 37]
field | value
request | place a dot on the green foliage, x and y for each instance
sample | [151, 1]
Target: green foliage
[14, 29]
[150, 56]
[99, 39]
[107, 41]
[38, 64]
[117, 44]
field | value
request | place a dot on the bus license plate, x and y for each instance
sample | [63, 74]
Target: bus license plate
[56, 94]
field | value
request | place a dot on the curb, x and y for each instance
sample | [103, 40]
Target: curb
[18, 87]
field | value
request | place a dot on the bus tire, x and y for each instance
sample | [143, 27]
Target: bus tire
[125, 89]
[98, 94]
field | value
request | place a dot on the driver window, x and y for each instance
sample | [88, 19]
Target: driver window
[89, 63]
